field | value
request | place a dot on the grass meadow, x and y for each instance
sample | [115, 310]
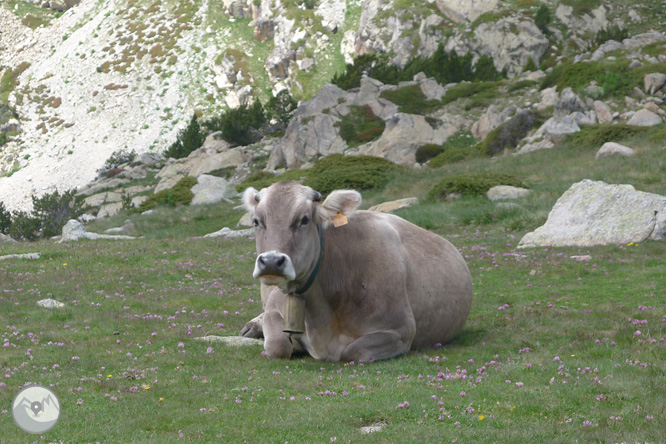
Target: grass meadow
[556, 349]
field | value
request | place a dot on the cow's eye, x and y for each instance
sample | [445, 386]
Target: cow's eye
[255, 222]
[305, 220]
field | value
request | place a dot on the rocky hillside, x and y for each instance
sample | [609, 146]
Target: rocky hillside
[81, 81]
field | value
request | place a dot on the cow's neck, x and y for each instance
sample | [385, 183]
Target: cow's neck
[315, 271]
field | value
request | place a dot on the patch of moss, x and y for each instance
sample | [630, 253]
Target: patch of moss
[472, 184]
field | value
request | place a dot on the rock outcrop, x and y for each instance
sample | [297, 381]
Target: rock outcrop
[596, 213]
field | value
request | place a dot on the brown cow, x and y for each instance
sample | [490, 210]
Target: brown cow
[372, 286]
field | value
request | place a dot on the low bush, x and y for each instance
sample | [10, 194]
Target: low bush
[53, 210]
[24, 226]
[458, 143]
[411, 100]
[239, 126]
[5, 219]
[180, 194]
[611, 32]
[471, 184]
[360, 126]
[426, 152]
[594, 136]
[281, 107]
[542, 19]
[355, 172]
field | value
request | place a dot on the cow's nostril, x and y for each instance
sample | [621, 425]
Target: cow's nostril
[280, 262]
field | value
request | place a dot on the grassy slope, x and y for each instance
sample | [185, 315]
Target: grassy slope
[565, 330]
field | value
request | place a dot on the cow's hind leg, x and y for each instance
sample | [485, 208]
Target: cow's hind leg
[374, 346]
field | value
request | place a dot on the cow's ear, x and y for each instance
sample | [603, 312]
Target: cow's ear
[250, 199]
[339, 201]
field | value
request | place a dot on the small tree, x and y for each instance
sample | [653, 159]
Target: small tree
[5, 219]
[53, 210]
[281, 107]
[542, 19]
[189, 139]
[24, 227]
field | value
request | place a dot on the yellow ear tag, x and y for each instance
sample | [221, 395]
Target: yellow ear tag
[340, 220]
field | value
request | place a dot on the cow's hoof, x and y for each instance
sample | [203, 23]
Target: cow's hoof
[252, 330]
[279, 348]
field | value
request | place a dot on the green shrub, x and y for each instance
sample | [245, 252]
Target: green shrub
[5, 219]
[53, 210]
[472, 184]
[612, 74]
[180, 194]
[458, 147]
[411, 100]
[355, 172]
[530, 65]
[281, 107]
[508, 134]
[188, 140]
[593, 136]
[117, 158]
[484, 90]
[239, 126]
[360, 126]
[521, 85]
[24, 226]
[426, 152]
[263, 179]
[442, 66]
[542, 19]
[611, 32]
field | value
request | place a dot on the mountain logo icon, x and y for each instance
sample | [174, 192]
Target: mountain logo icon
[36, 409]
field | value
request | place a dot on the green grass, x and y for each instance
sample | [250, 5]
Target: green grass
[141, 377]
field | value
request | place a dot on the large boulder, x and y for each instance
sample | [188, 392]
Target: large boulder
[568, 103]
[211, 189]
[603, 112]
[653, 82]
[506, 192]
[596, 213]
[613, 149]
[644, 117]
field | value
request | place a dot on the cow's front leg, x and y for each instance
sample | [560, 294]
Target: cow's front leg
[254, 328]
[375, 346]
[277, 343]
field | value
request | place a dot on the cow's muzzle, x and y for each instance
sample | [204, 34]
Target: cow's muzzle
[274, 265]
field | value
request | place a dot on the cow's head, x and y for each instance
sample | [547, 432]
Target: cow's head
[286, 216]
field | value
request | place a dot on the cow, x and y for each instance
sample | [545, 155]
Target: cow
[370, 285]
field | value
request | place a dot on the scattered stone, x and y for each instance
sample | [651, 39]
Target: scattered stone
[611, 149]
[582, 258]
[389, 207]
[372, 428]
[50, 303]
[228, 233]
[506, 192]
[529, 147]
[233, 341]
[548, 98]
[245, 221]
[558, 129]
[644, 117]
[74, 230]
[596, 213]
[568, 103]
[20, 256]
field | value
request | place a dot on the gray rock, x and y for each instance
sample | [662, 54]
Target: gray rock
[234, 341]
[228, 233]
[389, 207]
[110, 209]
[640, 40]
[462, 11]
[558, 129]
[653, 82]
[549, 97]
[603, 112]
[50, 303]
[5, 239]
[596, 213]
[644, 117]
[568, 103]
[74, 230]
[245, 221]
[611, 149]
[20, 256]
[530, 147]
[506, 192]
[211, 189]
[634, 64]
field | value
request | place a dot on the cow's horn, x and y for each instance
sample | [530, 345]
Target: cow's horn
[316, 196]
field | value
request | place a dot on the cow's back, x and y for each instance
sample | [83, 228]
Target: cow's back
[437, 280]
